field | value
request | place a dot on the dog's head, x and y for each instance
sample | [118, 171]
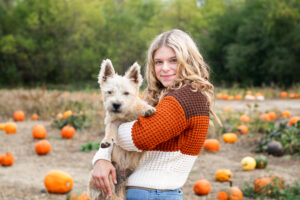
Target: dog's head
[119, 92]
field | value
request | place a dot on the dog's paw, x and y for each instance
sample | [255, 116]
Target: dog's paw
[150, 112]
[105, 145]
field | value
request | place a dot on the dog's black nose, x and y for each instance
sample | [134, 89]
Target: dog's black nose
[116, 106]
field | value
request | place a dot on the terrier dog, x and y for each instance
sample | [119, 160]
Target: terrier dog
[120, 95]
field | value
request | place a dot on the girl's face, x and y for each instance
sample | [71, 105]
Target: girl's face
[165, 65]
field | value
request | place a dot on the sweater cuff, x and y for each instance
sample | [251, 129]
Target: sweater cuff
[103, 153]
[124, 139]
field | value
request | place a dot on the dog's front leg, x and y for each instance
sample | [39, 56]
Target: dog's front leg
[145, 109]
[111, 130]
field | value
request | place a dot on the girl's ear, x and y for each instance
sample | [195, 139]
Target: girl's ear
[134, 74]
[106, 71]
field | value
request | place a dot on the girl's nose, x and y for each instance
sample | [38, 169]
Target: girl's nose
[165, 66]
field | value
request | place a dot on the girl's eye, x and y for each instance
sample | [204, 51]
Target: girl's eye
[126, 93]
[158, 62]
[174, 60]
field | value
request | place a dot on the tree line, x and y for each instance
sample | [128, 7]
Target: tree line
[245, 42]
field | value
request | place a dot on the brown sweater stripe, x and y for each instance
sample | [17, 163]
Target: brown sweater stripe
[193, 103]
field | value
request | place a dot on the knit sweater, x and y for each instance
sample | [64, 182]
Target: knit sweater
[171, 138]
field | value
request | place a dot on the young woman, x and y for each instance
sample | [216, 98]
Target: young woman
[179, 88]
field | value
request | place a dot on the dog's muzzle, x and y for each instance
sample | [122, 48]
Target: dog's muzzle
[116, 107]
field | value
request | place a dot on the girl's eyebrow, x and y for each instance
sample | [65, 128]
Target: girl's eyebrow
[167, 58]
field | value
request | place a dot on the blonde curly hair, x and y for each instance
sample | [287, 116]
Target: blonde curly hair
[192, 70]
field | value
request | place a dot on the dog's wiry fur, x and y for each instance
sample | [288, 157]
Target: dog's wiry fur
[120, 95]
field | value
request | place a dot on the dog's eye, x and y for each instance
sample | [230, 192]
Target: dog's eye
[109, 92]
[126, 93]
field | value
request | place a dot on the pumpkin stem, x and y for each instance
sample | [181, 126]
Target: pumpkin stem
[230, 183]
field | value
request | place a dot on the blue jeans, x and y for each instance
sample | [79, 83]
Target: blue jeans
[140, 194]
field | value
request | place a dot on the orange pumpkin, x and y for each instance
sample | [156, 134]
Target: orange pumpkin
[2, 126]
[227, 108]
[265, 117]
[229, 137]
[34, 117]
[231, 193]
[266, 184]
[272, 115]
[242, 129]
[59, 116]
[220, 96]
[292, 96]
[7, 159]
[238, 97]
[202, 187]
[245, 118]
[211, 145]
[42, 147]
[225, 96]
[82, 196]
[59, 182]
[285, 114]
[283, 95]
[223, 175]
[67, 113]
[297, 96]
[294, 120]
[19, 115]
[10, 128]
[39, 132]
[67, 132]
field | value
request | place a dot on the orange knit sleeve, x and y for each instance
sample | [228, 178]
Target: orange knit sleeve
[168, 122]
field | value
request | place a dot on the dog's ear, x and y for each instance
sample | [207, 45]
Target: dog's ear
[134, 74]
[106, 70]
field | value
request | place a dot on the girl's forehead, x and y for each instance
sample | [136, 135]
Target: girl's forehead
[164, 51]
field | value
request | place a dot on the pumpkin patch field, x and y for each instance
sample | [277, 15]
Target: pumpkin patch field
[53, 137]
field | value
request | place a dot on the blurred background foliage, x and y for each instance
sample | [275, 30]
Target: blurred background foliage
[245, 42]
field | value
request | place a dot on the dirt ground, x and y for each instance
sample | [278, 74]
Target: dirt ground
[24, 180]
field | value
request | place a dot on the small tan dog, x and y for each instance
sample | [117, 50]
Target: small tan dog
[122, 104]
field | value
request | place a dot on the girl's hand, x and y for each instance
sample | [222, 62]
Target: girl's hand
[100, 174]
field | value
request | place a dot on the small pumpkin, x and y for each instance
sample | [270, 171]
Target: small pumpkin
[248, 163]
[292, 96]
[219, 96]
[10, 128]
[67, 113]
[59, 182]
[223, 175]
[261, 162]
[202, 187]
[266, 184]
[67, 132]
[238, 97]
[245, 118]
[42, 147]
[75, 196]
[294, 120]
[283, 95]
[231, 193]
[2, 126]
[227, 108]
[19, 115]
[212, 145]
[242, 129]
[35, 117]
[272, 115]
[39, 132]
[265, 117]
[7, 159]
[275, 148]
[229, 137]
[285, 114]
[59, 116]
